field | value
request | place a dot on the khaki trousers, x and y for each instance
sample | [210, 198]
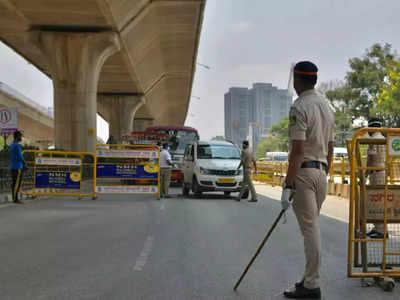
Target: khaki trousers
[378, 178]
[310, 193]
[165, 181]
[248, 184]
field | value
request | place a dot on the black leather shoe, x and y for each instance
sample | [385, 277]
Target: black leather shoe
[378, 235]
[301, 292]
[299, 284]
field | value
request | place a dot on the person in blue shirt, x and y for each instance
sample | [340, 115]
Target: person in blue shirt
[17, 166]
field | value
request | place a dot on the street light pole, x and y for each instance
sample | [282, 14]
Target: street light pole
[203, 65]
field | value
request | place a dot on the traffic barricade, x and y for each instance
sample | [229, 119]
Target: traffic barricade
[373, 204]
[340, 168]
[59, 173]
[271, 172]
[128, 169]
[265, 172]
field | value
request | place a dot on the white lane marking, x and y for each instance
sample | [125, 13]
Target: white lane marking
[144, 255]
[5, 205]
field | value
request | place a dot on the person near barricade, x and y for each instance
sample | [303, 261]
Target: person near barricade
[246, 160]
[376, 156]
[17, 166]
[165, 171]
[311, 143]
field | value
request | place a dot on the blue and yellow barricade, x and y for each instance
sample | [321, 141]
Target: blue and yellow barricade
[128, 169]
[59, 173]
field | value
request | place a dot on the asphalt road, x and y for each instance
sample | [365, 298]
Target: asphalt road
[135, 247]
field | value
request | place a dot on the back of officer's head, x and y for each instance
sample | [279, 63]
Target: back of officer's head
[374, 122]
[17, 135]
[245, 144]
[165, 145]
[305, 76]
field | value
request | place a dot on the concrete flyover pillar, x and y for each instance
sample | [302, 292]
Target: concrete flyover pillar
[142, 123]
[75, 60]
[119, 111]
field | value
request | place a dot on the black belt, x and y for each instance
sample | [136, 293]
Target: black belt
[314, 164]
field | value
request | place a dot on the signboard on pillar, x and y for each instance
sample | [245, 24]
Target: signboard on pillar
[8, 120]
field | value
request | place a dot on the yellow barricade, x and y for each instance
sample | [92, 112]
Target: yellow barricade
[374, 205]
[126, 169]
[270, 172]
[59, 173]
[340, 168]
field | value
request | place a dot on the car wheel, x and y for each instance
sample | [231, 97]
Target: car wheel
[227, 194]
[196, 188]
[245, 195]
[185, 189]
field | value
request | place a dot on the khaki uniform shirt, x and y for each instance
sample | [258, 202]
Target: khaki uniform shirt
[311, 119]
[247, 158]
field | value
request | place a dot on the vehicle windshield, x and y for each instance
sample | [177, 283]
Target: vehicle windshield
[179, 139]
[217, 152]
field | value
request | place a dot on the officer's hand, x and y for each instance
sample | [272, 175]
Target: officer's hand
[287, 196]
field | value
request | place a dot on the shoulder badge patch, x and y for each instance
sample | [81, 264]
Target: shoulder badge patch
[292, 120]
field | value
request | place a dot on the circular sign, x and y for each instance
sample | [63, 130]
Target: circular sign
[396, 145]
[75, 176]
[151, 168]
[5, 116]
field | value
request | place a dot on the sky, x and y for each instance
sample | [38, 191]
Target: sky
[243, 44]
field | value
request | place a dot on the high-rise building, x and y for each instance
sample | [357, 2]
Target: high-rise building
[261, 107]
[237, 114]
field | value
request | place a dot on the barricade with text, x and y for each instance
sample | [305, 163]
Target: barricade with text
[125, 169]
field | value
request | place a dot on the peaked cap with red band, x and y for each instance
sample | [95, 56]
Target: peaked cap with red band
[306, 68]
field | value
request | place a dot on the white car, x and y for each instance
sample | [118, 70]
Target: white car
[211, 166]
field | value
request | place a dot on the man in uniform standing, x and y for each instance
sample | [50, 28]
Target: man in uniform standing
[17, 166]
[246, 160]
[165, 165]
[311, 135]
[376, 158]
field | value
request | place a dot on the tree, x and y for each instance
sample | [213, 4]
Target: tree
[363, 82]
[334, 90]
[269, 144]
[278, 139]
[281, 131]
[388, 100]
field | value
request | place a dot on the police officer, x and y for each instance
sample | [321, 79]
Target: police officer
[246, 160]
[311, 135]
[17, 166]
[165, 171]
[376, 158]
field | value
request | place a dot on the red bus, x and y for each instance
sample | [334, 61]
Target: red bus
[179, 138]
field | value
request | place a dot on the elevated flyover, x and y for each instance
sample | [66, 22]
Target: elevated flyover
[34, 120]
[139, 56]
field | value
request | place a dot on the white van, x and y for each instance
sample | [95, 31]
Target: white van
[340, 152]
[211, 166]
[276, 156]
